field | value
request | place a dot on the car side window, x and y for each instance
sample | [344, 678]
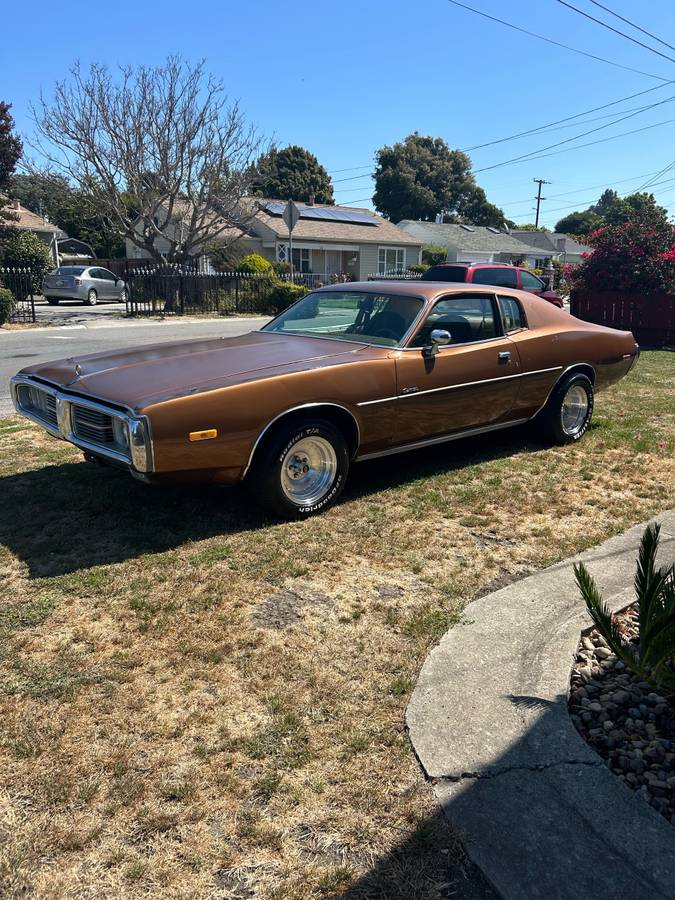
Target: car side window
[94, 273]
[502, 277]
[107, 275]
[530, 282]
[513, 316]
[468, 318]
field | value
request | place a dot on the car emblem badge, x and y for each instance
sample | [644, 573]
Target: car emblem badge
[78, 369]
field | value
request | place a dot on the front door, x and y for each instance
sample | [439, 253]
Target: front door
[333, 262]
[467, 384]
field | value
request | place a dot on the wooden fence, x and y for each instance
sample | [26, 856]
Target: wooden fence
[651, 317]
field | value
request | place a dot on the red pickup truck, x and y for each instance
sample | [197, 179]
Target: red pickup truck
[499, 274]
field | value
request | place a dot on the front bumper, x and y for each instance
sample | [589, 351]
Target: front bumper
[121, 437]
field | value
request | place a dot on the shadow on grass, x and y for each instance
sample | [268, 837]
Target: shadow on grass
[63, 518]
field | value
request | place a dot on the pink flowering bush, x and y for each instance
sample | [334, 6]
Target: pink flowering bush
[637, 257]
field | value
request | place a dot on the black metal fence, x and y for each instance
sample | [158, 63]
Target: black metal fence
[180, 290]
[21, 283]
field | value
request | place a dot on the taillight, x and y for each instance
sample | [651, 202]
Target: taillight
[78, 281]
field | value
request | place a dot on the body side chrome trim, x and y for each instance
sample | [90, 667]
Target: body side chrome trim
[453, 387]
[441, 439]
[293, 409]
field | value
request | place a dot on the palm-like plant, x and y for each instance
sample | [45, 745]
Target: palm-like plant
[653, 658]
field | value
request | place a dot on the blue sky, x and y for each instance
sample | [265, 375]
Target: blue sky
[343, 79]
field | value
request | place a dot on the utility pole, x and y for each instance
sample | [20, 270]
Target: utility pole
[539, 198]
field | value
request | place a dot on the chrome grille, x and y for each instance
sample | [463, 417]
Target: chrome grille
[92, 425]
[41, 403]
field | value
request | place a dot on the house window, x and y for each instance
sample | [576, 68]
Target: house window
[390, 259]
[282, 252]
[541, 263]
[301, 260]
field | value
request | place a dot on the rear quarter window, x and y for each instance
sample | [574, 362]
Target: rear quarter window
[512, 313]
[501, 277]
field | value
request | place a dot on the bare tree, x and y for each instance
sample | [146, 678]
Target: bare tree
[159, 152]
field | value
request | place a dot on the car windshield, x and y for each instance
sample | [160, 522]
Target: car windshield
[351, 315]
[69, 270]
[445, 273]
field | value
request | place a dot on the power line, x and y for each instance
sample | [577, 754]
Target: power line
[651, 180]
[532, 153]
[541, 37]
[615, 30]
[632, 24]
[540, 129]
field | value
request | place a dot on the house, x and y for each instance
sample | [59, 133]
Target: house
[565, 248]
[25, 220]
[476, 243]
[326, 239]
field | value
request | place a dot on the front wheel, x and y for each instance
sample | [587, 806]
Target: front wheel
[92, 298]
[567, 415]
[123, 297]
[301, 470]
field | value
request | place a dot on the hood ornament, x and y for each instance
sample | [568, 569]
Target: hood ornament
[78, 369]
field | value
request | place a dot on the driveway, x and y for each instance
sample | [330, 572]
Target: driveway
[99, 332]
[73, 311]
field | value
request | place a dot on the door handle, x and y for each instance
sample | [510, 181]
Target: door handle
[504, 356]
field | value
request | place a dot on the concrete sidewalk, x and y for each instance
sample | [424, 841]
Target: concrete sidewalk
[542, 814]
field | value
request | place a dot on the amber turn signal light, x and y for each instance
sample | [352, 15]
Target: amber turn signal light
[204, 435]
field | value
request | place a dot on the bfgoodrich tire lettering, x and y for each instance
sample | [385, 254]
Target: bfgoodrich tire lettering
[301, 470]
[567, 415]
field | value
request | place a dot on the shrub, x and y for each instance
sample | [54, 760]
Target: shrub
[636, 257]
[7, 303]
[284, 294]
[254, 263]
[434, 254]
[654, 656]
[25, 250]
[281, 268]
[418, 268]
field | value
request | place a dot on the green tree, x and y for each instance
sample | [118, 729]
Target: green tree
[293, 174]
[25, 250]
[10, 144]
[420, 177]
[10, 153]
[579, 223]
[530, 226]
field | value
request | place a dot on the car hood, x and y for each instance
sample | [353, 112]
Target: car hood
[140, 376]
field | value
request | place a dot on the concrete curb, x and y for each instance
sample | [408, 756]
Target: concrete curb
[488, 720]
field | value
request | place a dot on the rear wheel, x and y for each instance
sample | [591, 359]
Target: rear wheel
[53, 301]
[567, 415]
[92, 298]
[301, 470]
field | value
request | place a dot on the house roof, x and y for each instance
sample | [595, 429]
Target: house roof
[25, 219]
[381, 231]
[472, 238]
[550, 240]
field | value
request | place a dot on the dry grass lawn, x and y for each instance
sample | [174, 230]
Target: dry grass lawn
[196, 701]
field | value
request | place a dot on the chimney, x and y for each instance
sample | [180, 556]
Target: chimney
[310, 202]
[16, 204]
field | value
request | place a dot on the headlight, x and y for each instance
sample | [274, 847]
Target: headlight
[120, 433]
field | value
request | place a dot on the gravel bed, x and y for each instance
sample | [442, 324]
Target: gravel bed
[626, 720]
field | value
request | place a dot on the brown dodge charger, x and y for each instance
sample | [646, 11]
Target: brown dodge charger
[349, 372]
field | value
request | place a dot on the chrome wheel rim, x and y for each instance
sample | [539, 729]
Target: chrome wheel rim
[308, 471]
[574, 409]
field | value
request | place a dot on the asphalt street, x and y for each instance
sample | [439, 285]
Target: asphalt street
[94, 331]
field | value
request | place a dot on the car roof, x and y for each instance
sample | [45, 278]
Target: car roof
[468, 265]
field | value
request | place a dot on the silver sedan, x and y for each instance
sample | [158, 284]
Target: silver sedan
[86, 283]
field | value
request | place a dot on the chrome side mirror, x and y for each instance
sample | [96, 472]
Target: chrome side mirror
[439, 337]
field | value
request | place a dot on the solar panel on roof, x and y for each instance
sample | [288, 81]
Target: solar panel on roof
[324, 214]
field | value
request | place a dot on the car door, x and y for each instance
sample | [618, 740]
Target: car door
[107, 280]
[530, 282]
[470, 383]
[95, 281]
